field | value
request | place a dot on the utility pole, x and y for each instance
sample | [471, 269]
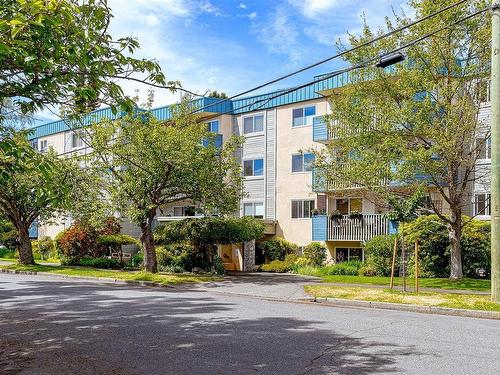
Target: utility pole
[495, 152]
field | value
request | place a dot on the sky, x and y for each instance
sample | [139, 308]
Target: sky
[231, 46]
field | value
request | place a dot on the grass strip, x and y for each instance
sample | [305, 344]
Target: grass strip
[437, 299]
[75, 271]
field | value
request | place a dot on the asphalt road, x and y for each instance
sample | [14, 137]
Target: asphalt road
[55, 326]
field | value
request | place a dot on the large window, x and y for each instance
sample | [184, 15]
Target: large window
[348, 205]
[482, 204]
[184, 211]
[255, 209]
[44, 146]
[346, 254]
[253, 167]
[303, 116]
[485, 149]
[253, 124]
[76, 141]
[302, 208]
[213, 126]
[302, 162]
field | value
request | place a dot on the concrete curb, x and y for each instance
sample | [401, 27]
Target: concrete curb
[411, 308]
[97, 280]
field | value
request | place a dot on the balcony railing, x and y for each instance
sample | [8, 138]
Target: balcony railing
[323, 132]
[357, 229]
[322, 183]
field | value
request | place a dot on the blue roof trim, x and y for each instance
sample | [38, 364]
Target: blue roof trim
[214, 105]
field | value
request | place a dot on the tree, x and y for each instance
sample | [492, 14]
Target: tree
[60, 53]
[416, 121]
[150, 164]
[216, 94]
[204, 234]
[37, 187]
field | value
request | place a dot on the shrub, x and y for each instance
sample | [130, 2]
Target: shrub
[281, 266]
[7, 253]
[346, 268]
[303, 261]
[80, 241]
[218, 266]
[44, 248]
[136, 260]
[171, 269]
[316, 253]
[378, 254]
[277, 248]
[434, 247]
[100, 263]
[367, 271]
[180, 256]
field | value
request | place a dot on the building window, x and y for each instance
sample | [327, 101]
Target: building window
[44, 146]
[347, 254]
[482, 204]
[253, 167]
[184, 211]
[303, 116]
[438, 205]
[76, 141]
[348, 205]
[253, 124]
[485, 150]
[302, 162]
[213, 126]
[254, 209]
[302, 209]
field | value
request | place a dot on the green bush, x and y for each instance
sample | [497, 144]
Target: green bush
[281, 266]
[367, 271]
[277, 248]
[44, 248]
[136, 260]
[434, 247]
[315, 252]
[171, 269]
[179, 256]
[218, 266]
[346, 268]
[378, 254]
[100, 263]
[7, 253]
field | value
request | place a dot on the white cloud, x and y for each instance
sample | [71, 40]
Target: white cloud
[208, 7]
[314, 8]
[252, 15]
[279, 34]
[242, 6]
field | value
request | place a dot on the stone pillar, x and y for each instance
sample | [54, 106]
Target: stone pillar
[249, 256]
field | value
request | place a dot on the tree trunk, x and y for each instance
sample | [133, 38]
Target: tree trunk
[455, 236]
[24, 246]
[148, 247]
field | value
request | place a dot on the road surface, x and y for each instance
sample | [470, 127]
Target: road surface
[57, 326]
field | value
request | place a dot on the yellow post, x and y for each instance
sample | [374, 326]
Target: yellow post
[394, 260]
[416, 266]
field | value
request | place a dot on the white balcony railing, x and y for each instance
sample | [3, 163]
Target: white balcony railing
[357, 229]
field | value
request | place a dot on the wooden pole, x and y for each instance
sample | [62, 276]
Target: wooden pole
[416, 266]
[394, 260]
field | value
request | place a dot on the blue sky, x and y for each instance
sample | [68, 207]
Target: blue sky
[231, 45]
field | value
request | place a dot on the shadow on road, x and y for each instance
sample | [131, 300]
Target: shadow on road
[68, 328]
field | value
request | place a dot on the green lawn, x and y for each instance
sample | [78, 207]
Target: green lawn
[458, 301]
[464, 284]
[164, 279]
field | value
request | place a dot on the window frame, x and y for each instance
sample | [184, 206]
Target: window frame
[253, 208]
[486, 202]
[312, 206]
[73, 147]
[303, 164]
[349, 253]
[253, 132]
[304, 116]
[209, 126]
[486, 148]
[348, 204]
[43, 149]
[253, 175]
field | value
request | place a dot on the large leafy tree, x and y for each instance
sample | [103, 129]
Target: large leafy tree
[150, 163]
[36, 186]
[60, 53]
[416, 123]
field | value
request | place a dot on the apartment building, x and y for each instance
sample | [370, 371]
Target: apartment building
[281, 187]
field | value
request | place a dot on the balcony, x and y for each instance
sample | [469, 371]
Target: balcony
[323, 133]
[351, 229]
[320, 183]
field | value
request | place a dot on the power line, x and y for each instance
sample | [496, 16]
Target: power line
[362, 45]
